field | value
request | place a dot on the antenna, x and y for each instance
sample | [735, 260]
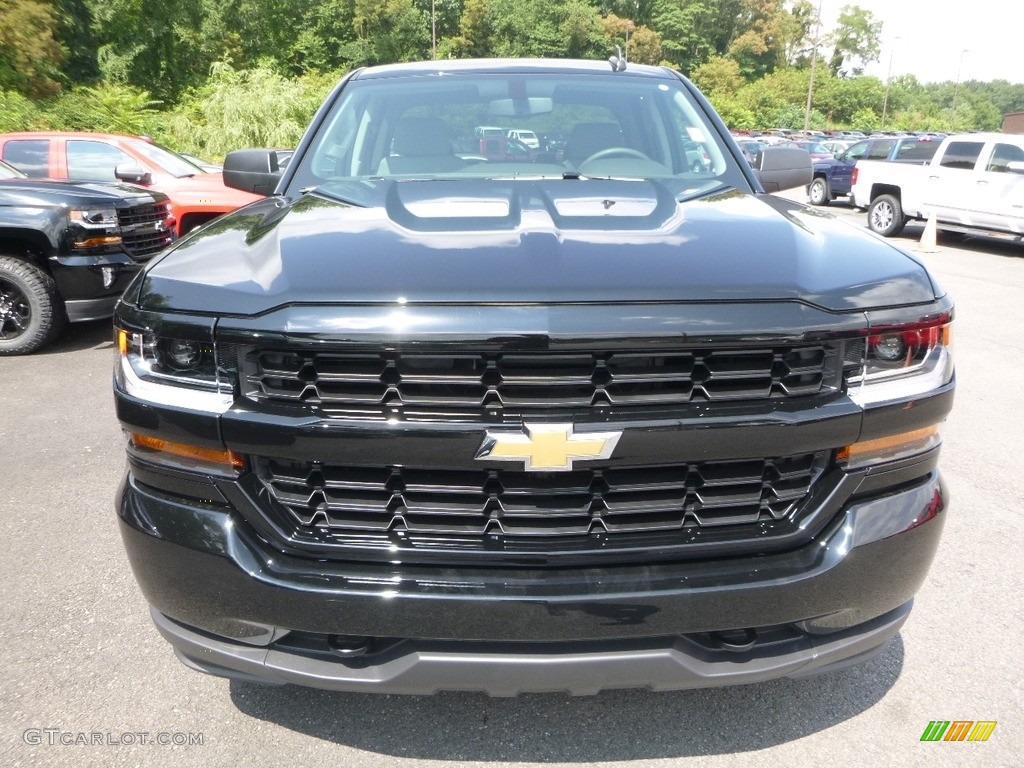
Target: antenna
[618, 63]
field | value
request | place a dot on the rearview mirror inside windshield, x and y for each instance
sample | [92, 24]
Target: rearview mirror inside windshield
[534, 105]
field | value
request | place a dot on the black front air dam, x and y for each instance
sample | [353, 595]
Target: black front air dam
[427, 667]
[202, 567]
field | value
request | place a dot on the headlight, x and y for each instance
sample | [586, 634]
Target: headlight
[904, 361]
[172, 371]
[94, 218]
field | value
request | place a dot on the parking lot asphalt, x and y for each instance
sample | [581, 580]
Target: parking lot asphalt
[88, 681]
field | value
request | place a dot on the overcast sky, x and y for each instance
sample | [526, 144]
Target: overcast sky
[933, 34]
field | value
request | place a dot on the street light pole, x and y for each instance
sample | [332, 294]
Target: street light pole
[814, 61]
[888, 81]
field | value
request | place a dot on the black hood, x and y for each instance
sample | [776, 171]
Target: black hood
[545, 241]
[45, 193]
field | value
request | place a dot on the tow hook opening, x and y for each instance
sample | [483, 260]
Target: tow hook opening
[736, 640]
[349, 646]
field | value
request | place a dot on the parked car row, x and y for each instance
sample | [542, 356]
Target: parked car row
[196, 197]
[833, 175]
[68, 249]
[973, 183]
[80, 213]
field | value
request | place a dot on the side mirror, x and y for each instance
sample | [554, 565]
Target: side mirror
[255, 170]
[783, 167]
[133, 174]
[1015, 166]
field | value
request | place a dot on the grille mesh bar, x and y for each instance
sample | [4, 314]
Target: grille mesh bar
[482, 502]
[368, 381]
[144, 229]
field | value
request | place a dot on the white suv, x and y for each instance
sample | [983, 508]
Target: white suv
[529, 138]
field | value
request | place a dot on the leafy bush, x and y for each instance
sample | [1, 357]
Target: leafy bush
[17, 113]
[244, 108]
[108, 108]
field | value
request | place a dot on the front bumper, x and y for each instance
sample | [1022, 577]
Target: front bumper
[232, 605]
[91, 285]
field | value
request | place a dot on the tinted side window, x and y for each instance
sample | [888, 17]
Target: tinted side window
[1002, 155]
[858, 151]
[879, 150]
[961, 154]
[95, 161]
[920, 151]
[31, 157]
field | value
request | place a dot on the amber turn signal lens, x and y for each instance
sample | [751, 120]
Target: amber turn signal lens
[97, 242]
[891, 446]
[186, 451]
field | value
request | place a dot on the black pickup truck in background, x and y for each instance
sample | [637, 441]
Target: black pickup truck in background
[67, 250]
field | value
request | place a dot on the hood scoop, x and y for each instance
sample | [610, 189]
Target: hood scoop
[492, 205]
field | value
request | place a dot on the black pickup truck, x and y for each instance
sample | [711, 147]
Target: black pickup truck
[594, 418]
[67, 250]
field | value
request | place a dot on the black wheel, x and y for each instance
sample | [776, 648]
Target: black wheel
[818, 193]
[697, 167]
[31, 312]
[885, 216]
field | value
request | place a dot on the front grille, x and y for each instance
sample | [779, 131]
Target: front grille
[476, 504]
[380, 381]
[144, 229]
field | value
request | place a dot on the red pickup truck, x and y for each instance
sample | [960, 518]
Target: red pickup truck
[195, 197]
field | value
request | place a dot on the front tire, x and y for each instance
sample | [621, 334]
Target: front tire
[885, 216]
[31, 311]
[818, 193]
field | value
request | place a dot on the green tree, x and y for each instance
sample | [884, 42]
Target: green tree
[392, 30]
[765, 32]
[639, 11]
[644, 44]
[75, 34]
[735, 115]
[579, 26]
[801, 28]
[866, 120]
[856, 40]
[718, 76]
[474, 28]
[17, 113]
[258, 107]
[107, 107]
[30, 54]
[150, 44]
[681, 28]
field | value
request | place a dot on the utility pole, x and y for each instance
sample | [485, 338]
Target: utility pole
[814, 61]
[888, 81]
[433, 30]
[956, 86]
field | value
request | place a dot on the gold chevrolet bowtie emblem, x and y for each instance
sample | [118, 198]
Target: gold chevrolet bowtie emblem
[548, 447]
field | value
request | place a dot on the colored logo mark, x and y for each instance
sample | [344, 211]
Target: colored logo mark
[958, 730]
